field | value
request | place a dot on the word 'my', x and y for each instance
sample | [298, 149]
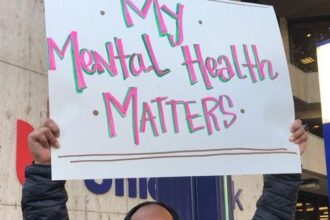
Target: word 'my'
[177, 16]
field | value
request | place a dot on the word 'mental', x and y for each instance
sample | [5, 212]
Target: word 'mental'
[216, 111]
[91, 61]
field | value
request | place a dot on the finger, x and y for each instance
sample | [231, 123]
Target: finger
[42, 156]
[302, 147]
[42, 139]
[37, 139]
[33, 136]
[39, 145]
[301, 139]
[53, 127]
[42, 136]
[52, 140]
[296, 125]
[298, 133]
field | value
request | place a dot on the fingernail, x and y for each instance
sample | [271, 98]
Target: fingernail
[57, 144]
[291, 138]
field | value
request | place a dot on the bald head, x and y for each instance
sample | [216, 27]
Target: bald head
[152, 212]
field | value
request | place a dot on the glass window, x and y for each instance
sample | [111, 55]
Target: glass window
[305, 33]
[311, 207]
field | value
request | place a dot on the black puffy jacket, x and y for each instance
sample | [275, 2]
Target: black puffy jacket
[43, 199]
[279, 196]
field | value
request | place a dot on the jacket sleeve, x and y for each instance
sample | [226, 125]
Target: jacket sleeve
[279, 196]
[42, 198]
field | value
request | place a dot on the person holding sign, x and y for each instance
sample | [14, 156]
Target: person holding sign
[43, 198]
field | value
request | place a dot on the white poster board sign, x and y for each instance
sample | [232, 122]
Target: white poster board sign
[152, 88]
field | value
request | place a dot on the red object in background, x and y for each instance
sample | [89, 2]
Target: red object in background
[23, 155]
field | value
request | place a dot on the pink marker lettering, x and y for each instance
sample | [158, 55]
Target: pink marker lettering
[152, 56]
[110, 100]
[174, 104]
[211, 66]
[159, 101]
[249, 65]
[148, 116]
[122, 57]
[101, 64]
[178, 16]
[261, 65]
[137, 69]
[225, 99]
[190, 117]
[209, 114]
[159, 18]
[86, 54]
[189, 63]
[160, 21]
[73, 41]
[227, 72]
[142, 13]
[236, 62]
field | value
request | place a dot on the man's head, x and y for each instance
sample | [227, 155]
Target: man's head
[151, 211]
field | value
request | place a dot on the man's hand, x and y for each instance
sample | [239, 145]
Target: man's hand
[42, 139]
[299, 135]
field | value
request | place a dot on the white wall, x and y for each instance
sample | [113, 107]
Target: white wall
[23, 86]
[251, 186]
[314, 157]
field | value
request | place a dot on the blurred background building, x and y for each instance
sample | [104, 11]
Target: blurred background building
[303, 24]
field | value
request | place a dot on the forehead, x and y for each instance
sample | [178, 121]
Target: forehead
[152, 212]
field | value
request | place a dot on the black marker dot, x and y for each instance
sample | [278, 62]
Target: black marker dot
[102, 12]
[95, 112]
[200, 22]
[242, 111]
